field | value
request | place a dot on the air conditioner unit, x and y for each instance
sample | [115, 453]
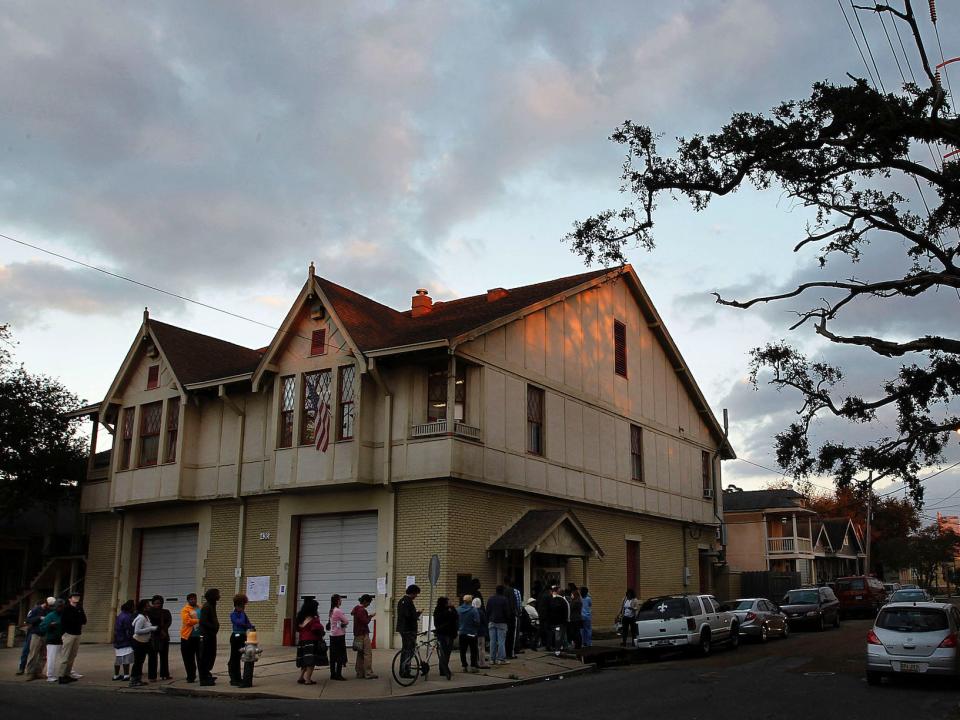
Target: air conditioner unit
[708, 493]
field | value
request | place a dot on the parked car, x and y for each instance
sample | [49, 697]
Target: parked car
[860, 594]
[891, 587]
[815, 607]
[913, 638]
[910, 596]
[691, 622]
[759, 618]
[910, 587]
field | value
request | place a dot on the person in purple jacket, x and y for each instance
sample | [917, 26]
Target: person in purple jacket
[123, 641]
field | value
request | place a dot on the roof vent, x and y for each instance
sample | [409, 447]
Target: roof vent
[421, 303]
[495, 294]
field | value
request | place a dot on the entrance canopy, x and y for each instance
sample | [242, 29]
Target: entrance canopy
[552, 532]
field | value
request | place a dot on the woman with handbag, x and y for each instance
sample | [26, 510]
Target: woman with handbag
[338, 625]
[142, 641]
[361, 638]
[628, 616]
[311, 649]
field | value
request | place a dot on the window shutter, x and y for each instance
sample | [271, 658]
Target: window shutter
[620, 347]
[153, 377]
[318, 342]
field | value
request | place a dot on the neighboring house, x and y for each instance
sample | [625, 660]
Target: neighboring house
[769, 530]
[838, 549]
[552, 432]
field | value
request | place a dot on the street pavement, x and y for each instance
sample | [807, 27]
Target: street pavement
[275, 675]
[810, 675]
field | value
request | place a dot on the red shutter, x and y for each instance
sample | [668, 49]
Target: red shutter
[153, 377]
[620, 347]
[318, 342]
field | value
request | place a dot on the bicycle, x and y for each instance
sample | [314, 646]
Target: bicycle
[419, 661]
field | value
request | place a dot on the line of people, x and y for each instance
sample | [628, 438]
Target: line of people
[565, 616]
[54, 627]
[313, 651]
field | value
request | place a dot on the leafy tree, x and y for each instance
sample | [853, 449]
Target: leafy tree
[41, 455]
[841, 152]
[927, 551]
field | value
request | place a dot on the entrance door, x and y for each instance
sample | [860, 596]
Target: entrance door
[338, 554]
[168, 567]
[551, 576]
[633, 552]
[704, 572]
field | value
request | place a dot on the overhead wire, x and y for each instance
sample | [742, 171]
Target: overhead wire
[163, 291]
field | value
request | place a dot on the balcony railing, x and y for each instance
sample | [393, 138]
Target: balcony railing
[439, 427]
[789, 545]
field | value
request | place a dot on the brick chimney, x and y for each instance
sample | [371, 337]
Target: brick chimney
[495, 294]
[421, 304]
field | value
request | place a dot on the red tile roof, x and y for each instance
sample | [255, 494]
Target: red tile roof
[374, 326]
[195, 357]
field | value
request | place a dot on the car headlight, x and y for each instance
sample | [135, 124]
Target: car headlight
[813, 613]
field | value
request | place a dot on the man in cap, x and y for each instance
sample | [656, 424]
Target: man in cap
[72, 621]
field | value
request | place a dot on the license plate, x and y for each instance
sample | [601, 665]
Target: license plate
[663, 642]
[859, 597]
[910, 667]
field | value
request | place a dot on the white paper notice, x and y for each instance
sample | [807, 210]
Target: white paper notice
[411, 580]
[258, 588]
[382, 585]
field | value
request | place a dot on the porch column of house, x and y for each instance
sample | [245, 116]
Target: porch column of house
[451, 391]
[796, 538]
[93, 444]
[766, 543]
[527, 571]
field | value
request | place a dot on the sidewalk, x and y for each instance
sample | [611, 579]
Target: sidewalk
[276, 675]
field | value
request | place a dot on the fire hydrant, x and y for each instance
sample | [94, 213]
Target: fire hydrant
[249, 655]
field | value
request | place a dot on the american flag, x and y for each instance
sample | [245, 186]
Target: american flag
[323, 428]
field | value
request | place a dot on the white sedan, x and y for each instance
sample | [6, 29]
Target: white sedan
[913, 638]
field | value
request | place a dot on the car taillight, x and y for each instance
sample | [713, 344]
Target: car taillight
[691, 624]
[950, 641]
[872, 639]
[751, 616]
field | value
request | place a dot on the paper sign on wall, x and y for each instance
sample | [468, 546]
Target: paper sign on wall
[382, 585]
[258, 588]
[411, 580]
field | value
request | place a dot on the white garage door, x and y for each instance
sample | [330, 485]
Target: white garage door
[338, 554]
[168, 567]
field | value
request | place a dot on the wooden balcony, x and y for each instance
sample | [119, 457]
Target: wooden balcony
[782, 546]
[439, 427]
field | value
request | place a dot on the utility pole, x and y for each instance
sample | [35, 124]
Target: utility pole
[866, 570]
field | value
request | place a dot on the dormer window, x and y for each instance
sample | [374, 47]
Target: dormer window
[153, 377]
[318, 342]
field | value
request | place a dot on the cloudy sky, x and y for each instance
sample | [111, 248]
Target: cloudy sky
[216, 148]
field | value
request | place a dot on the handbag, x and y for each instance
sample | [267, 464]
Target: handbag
[322, 657]
[358, 643]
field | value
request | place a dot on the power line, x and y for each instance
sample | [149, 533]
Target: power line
[923, 480]
[781, 473]
[867, 44]
[148, 286]
[857, 42]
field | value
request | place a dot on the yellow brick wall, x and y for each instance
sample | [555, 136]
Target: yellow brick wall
[475, 516]
[422, 529]
[98, 602]
[260, 557]
[222, 554]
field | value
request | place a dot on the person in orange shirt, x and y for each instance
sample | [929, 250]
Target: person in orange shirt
[190, 636]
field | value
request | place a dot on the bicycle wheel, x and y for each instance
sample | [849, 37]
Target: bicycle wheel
[411, 677]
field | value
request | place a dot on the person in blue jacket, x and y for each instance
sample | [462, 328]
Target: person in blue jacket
[469, 629]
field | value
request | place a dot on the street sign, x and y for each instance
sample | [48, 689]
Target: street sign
[434, 572]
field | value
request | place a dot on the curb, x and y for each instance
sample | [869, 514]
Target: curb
[233, 695]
